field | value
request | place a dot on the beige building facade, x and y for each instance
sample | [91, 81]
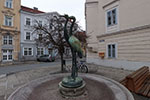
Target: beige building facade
[119, 33]
[9, 30]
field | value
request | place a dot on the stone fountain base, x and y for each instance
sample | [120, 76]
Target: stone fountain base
[72, 87]
[72, 92]
[97, 88]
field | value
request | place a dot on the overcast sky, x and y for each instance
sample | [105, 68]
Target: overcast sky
[70, 7]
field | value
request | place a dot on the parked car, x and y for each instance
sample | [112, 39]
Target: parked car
[46, 58]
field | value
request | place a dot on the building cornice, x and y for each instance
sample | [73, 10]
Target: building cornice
[8, 31]
[8, 12]
[91, 2]
[125, 31]
[40, 14]
[110, 3]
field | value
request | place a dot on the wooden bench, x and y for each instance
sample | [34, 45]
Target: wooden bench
[138, 81]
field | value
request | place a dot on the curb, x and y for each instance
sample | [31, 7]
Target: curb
[3, 75]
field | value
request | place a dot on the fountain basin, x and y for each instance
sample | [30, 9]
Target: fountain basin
[97, 88]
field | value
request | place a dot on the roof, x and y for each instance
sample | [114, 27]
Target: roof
[27, 9]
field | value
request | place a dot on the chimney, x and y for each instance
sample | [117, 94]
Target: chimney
[35, 8]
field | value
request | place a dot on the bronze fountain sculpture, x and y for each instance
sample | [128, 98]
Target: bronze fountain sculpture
[72, 83]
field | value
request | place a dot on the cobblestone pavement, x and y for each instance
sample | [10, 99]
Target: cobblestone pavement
[11, 82]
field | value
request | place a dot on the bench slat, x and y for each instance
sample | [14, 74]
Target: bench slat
[145, 72]
[123, 82]
[139, 82]
[144, 86]
[142, 89]
[134, 74]
[148, 94]
[145, 93]
[148, 82]
[134, 84]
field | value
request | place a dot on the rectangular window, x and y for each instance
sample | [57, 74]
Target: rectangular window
[7, 55]
[111, 51]
[4, 54]
[4, 57]
[28, 36]
[8, 21]
[40, 22]
[112, 17]
[28, 21]
[40, 51]
[8, 3]
[40, 36]
[10, 40]
[30, 51]
[27, 51]
[7, 40]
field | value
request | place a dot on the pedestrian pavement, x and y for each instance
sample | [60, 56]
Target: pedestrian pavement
[28, 65]
[11, 82]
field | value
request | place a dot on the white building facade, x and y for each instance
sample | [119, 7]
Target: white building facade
[30, 49]
[119, 33]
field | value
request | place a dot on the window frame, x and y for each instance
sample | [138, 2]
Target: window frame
[7, 40]
[111, 56]
[26, 21]
[110, 11]
[113, 27]
[27, 36]
[10, 3]
[40, 22]
[8, 20]
[28, 51]
[40, 51]
[40, 36]
[8, 55]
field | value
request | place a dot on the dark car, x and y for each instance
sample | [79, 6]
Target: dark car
[46, 58]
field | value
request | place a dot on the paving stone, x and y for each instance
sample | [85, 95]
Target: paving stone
[18, 79]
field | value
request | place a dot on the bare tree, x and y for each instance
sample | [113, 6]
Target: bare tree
[53, 34]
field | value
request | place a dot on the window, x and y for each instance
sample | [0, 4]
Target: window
[7, 55]
[40, 36]
[8, 3]
[111, 51]
[4, 54]
[28, 21]
[112, 17]
[28, 36]
[40, 51]
[27, 51]
[67, 51]
[8, 21]
[7, 40]
[40, 22]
